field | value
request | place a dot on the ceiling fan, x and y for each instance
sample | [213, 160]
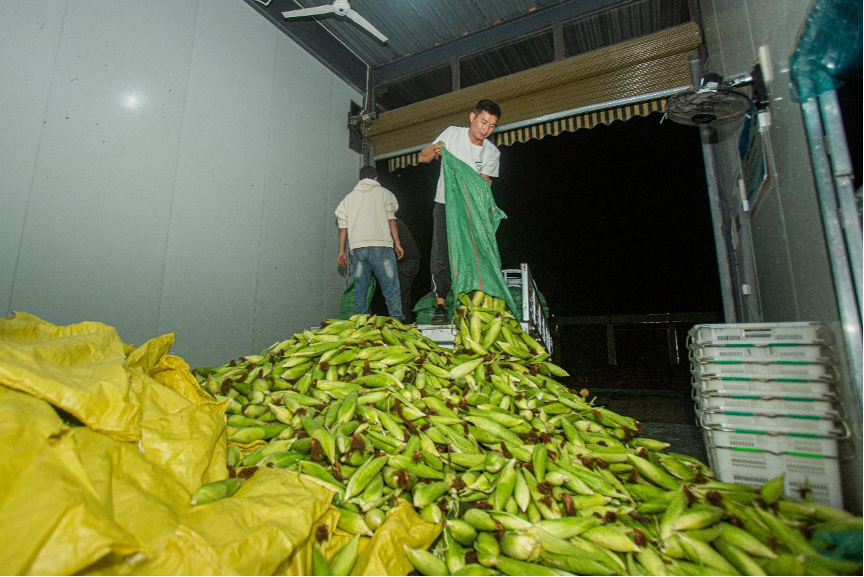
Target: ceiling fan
[340, 8]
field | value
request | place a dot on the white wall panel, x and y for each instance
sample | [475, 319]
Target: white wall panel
[776, 281]
[167, 166]
[212, 259]
[733, 30]
[802, 235]
[93, 243]
[29, 36]
[288, 297]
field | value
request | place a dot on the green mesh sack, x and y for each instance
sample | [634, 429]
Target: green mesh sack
[472, 219]
[346, 310]
[516, 291]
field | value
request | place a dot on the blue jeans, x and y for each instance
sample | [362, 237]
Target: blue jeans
[380, 261]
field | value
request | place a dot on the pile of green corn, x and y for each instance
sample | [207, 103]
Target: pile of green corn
[527, 477]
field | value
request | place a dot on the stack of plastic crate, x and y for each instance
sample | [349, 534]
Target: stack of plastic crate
[766, 401]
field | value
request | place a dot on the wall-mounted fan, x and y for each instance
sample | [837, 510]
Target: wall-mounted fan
[717, 102]
[339, 8]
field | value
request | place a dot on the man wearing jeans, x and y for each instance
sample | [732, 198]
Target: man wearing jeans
[367, 217]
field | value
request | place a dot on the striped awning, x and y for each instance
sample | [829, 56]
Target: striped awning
[403, 161]
[574, 123]
[551, 128]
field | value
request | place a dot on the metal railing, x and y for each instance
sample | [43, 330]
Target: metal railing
[533, 316]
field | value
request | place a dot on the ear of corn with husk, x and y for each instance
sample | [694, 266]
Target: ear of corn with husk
[526, 476]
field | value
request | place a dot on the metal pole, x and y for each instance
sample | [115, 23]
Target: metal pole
[730, 314]
[723, 265]
[842, 166]
[850, 317]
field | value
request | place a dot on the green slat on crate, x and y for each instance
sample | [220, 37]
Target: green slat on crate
[747, 449]
[803, 435]
[808, 455]
[809, 417]
[792, 381]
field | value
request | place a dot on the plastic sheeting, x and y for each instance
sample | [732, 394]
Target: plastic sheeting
[472, 220]
[828, 49]
[107, 490]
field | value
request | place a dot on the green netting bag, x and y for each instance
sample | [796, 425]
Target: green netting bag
[472, 219]
[516, 291]
[346, 310]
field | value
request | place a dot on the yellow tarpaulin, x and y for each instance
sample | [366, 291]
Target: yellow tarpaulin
[112, 496]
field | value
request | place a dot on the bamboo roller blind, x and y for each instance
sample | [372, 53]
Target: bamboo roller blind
[642, 65]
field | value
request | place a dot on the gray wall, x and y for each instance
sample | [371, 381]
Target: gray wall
[784, 257]
[169, 166]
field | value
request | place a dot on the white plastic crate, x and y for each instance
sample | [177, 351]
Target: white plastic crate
[793, 353]
[767, 388]
[767, 371]
[761, 334]
[445, 335]
[778, 424]
[766, 404]
[751, 460]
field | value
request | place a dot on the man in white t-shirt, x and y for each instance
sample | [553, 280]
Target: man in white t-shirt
[471, 146]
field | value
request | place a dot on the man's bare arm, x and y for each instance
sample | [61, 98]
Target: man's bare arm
[342, 259]
[431, 152]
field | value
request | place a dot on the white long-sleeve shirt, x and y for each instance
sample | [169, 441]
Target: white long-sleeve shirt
[366, 212]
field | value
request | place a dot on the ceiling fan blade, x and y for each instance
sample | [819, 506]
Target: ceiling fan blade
[353, 15]
[314, 11]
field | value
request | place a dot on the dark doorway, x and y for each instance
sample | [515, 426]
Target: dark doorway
[613, 220]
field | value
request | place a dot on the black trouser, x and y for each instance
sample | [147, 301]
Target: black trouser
[440, 257]
[408, 269]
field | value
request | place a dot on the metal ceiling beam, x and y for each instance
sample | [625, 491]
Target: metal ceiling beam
[530, 22]
[318, 42]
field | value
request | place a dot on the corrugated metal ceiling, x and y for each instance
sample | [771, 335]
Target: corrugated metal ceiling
[414, 26]
[482, 39]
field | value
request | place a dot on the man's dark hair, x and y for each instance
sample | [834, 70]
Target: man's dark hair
[489, 106]
[368, 171]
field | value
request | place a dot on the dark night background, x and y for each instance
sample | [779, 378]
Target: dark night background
[611, 220]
